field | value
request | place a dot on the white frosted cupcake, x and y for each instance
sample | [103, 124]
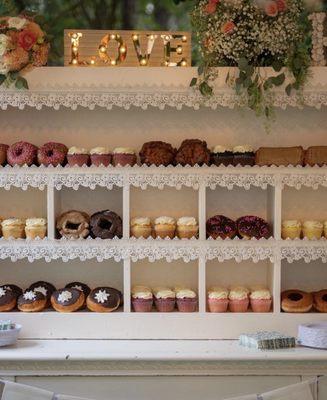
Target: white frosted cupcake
[312, 229]
[78, 156]
[100, 156]
[186, 299]
[291, 229]
[13, 228]
[217, 299]
[187, 228]
[165, 227]
[260, 299]
[142, 299]
[164, 299]
[124, 156]
[238, 299]
[141, 227]
[35, 228]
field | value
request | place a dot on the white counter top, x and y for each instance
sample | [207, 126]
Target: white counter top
[150, 350]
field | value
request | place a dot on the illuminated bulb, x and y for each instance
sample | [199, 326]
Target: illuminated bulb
[102, 49]
[92, 62]
[74, 61]
[166, 63]
[143, 61]
[113, 62]
[167, 38]
[135, 37]
[179, 50]
[74, 36]
[122, 49]
[184, 38]
[151, 37]
[75, 48]
[113, 37]
[183, 63]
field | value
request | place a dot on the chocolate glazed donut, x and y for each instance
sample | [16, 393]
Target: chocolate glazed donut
[103, 299]
[67, 300]
[106, 225]
[8, 299]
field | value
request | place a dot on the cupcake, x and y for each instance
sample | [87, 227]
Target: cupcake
[187, 228]
[186, 300]
[243, 155]
[221, 155]
[13, 228]
[217, 299]
[238, 299]
[35, 227]
[291, 229]
[164, 299]
[142, 299]
[325, 229]
[123, 156]
[260, 299]
[164, 227]
[312, 229]
[3, 153]
[77, 156]
[141, 227]
[100, 156]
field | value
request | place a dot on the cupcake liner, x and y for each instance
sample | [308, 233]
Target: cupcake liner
[187, 232]
[239, 305]
[164, 231]
[187, 305]
[142, 305]
[311, 234]
[141, 231]
[165, 305]
[123, 159]
[291, 233]
[261, 305]
[218, 305]
[33, 233]
[101, 159]
[17, 232]
[77, 160]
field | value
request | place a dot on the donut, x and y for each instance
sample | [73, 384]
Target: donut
[320, 300]
[3, 153]
[43, 287]
[157, 153]
[8, 299]
[80, 286]
[252, 227]
[73, 224]
[106, 225]
[296, 301]
[193, 151]
[16, 289]
[67, 300]
[52, 154]
[220, 226]
[103, 299]
[31, 301]
[21, 153]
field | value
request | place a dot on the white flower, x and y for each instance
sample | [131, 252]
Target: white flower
[30, 295]
[101, 296]
[4, 40]
[17, 22]
[41, 289]
[64, 296]
[4, 68]
[78, 287]
[2, 292]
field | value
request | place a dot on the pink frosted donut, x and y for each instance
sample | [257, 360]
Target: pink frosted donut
[21, 153]
[52, 154]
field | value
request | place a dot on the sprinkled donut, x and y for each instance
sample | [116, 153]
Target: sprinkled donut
[52, 154]
[252, 227]
[106, 225]
[221, 226]
[21, 153]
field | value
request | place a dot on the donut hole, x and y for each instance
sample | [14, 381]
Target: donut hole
[295, 296]
[71, 226]
[49, 153]
[104, 224]
[324, 297]
[18, 152]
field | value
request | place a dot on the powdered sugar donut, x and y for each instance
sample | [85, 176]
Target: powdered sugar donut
[21, 153]
[52, 154]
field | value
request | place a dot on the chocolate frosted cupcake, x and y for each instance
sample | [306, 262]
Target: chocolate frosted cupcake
[100, 156]
[123, 156]
[157, 153]
[222, 155]
[220, 226]
[193, 151]
[253, 227]
[244, 155]
[3, 153]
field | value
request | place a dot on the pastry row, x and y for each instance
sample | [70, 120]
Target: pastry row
[294, 229]
[73, 297]
[299, 301]
[239, 299]
[163, 227]
[191, 152]
[17, 228]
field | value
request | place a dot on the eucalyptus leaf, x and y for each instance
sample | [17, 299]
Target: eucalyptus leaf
[200, 69]
[277, 65]
[193, 82]
[21, 83]
[243, 63]
[2, 79]
[205, 89]
[288, 89]
[278, 80]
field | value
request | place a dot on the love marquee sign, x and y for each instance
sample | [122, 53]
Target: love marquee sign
[127, 48]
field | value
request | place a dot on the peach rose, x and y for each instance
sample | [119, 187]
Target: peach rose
[26, 39]
[211, 7]
[40, 56]
[228, 27]
[35, 29]
[16, 59]
[271, 9]
[281, 5]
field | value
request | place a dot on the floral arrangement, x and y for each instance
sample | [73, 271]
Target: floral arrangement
[23, 44]
[250, 34]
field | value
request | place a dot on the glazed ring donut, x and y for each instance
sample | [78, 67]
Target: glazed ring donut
[67, 300]
[103, 299]
[253, 227]
[73, 224]
[320, 300]
[21, 153]
[8, 299]
[52, 154]
[106, 225]
[220, 226]
[296, 301]
[31, 301]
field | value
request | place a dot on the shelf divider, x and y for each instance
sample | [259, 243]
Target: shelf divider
[127, 285]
